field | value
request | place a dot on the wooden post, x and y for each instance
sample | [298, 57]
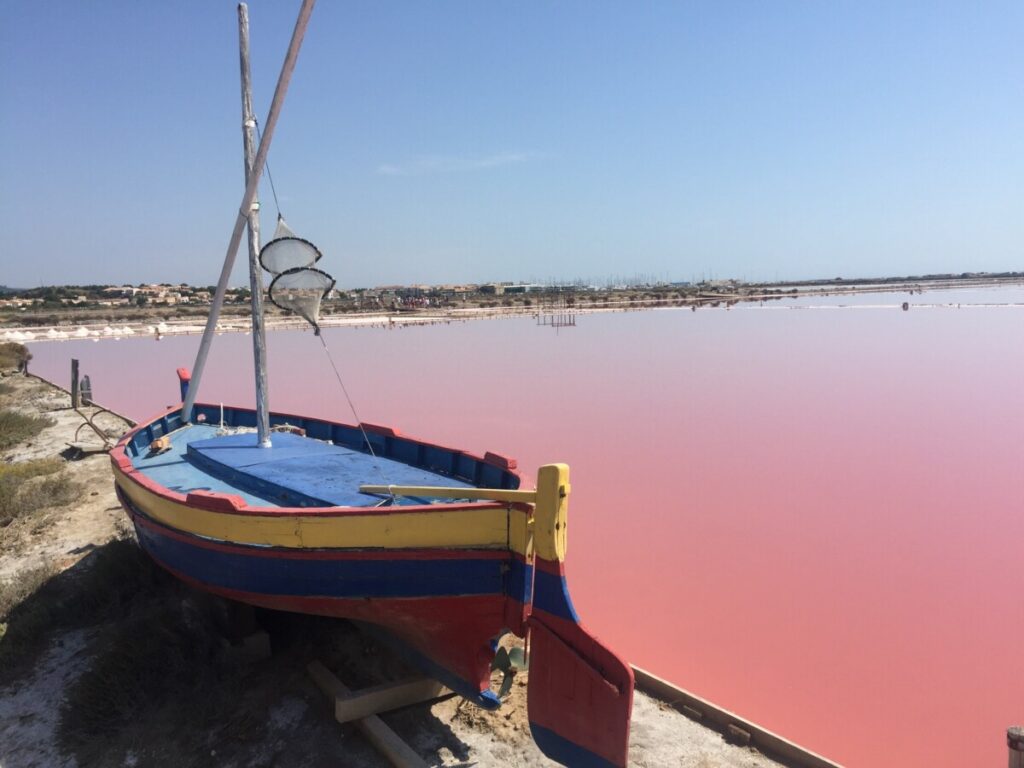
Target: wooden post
[259, 335]
[76, 400]
[245, 208]
[1015, 741]
[387, 742]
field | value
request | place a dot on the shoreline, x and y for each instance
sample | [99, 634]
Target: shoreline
[173, 326]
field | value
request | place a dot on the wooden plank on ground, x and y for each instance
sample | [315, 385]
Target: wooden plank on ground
[386, 741]
[386, 697]
[728, 723]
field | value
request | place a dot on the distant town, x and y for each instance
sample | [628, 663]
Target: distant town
[71, 305]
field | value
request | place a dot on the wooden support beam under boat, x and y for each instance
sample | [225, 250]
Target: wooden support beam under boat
[386, 697]
[385, 740]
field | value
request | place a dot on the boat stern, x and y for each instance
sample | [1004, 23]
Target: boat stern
[580, 694]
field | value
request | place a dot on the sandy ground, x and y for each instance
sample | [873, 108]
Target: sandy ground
[62, 535]
[276, 715]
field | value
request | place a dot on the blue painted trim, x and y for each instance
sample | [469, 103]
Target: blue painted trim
[282, 575]
[485, 699]
[551, 594]
[519, 581]
[440, 461]
[566, 752]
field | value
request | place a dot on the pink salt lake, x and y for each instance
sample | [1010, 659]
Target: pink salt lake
[812, 517]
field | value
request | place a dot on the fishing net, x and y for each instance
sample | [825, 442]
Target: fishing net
[287, 251]
[297, 287]
[300, 290]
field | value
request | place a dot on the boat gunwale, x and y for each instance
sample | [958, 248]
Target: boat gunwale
[140, 517]
[232, 504]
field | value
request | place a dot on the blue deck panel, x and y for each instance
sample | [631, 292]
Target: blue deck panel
[173, 471]
[301, 471]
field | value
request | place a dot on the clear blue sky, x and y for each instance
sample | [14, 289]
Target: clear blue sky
[470, 141]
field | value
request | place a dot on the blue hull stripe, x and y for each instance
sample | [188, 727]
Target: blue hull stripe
[551, 594]
[333, 577]
[566, 752]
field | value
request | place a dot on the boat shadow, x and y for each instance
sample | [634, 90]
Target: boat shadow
[112, 661]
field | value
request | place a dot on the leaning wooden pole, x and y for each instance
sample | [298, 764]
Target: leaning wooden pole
[259, 334]
[245, 208]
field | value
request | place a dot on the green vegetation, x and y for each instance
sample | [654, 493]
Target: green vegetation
[105, 585]
[156, 655]
[17, 427]
[158, 660]
[15, 592]
[144, 660]
[28, 486]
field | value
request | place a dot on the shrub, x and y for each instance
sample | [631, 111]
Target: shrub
[18, 427]
[13, 356]
[106, 584]
[27, 486]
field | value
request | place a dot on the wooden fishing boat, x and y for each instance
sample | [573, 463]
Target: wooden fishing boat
[287, 528]
[444, 557]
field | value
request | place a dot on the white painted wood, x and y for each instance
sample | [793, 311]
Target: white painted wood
[259, 336]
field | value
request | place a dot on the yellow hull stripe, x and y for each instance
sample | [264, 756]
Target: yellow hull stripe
[448, 527]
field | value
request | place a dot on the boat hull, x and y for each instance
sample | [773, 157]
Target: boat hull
[441, 583]
[447, 606]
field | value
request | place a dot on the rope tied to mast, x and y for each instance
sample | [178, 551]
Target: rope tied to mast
[359, 422]
[270, 178]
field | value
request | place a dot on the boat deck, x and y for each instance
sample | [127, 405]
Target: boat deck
[297, 471]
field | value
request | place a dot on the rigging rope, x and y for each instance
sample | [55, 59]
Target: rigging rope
[266, 165]
[352, 406]
[330, 357]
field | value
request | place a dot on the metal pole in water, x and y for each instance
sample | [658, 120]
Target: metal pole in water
[245, 208]
[259, 335]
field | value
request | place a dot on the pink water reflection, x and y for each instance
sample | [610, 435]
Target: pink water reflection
[812, 518]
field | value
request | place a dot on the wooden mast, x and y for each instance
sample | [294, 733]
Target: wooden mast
[245, 208]
[259, 336]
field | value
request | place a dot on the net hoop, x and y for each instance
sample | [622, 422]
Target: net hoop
[294, 238]
[295, 270]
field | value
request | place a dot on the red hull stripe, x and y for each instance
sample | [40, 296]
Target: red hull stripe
[447, 638]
